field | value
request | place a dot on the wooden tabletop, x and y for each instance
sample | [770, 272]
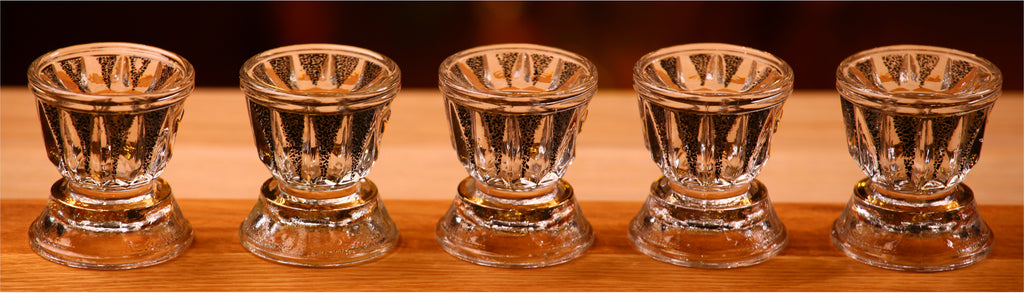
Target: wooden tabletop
[215, 174]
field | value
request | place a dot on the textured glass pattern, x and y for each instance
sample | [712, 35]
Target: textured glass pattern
[708, 151]
[914, 154]
[527, 70]
[318, 115]
[109, 114]
[313, 72]
[112, 74]
[109, 151]
[318, 151]
[919, 80]
[712, 71]
[515, 152]
[915, 121]
[515, 113]
[915, 116]
[109, 117]
[709, 113]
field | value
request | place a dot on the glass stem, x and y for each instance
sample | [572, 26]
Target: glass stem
[92, 195]
[709, 194]
[516, 194]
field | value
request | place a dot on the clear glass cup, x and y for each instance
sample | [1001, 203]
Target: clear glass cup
[709, 111]
[109, 113]
[515, 111]
[318, 113]
[915, 118]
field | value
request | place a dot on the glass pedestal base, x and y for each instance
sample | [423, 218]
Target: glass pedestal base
[537, 231]
[110, 231]
[336, 231]
[734, 231]
[938, 234]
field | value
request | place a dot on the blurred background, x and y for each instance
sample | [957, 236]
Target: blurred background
[217, 37]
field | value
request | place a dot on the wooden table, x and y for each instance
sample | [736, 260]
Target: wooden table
[215, 175]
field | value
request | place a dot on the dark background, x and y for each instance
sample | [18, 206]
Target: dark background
[813, 37]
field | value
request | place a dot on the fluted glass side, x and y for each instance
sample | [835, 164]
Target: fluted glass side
[928, 134]
[914, 154]
[515, 152]
[109, 151]
[109, 118]
[708, 151]
[709, 114]
[320, 150]
[109, 114]
[318, 116]
[515, 113]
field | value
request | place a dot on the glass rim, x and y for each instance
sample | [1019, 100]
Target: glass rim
[985, 94]
[383, 90]
[169, 94]
[771, 95]
[589, 84]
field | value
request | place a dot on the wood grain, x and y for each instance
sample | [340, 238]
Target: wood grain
[217, 262]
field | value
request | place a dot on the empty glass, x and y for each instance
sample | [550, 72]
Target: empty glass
[514, 112]
[318, 113]
[709, 112]
[915, 117]
[109, 114]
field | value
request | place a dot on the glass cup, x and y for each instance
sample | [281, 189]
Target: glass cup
[515, 111]
[709, 111]
[915, 118]
[318, 113]
[109, 113]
